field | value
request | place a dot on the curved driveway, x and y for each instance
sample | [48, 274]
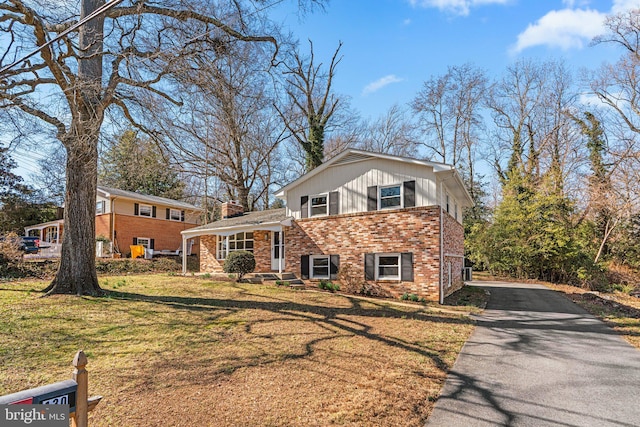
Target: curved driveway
[537, 359]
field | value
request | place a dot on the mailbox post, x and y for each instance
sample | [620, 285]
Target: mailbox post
[72, 392]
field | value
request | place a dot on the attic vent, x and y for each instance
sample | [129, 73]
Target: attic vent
[353, 157]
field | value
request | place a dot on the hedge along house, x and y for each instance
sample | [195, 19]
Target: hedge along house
[395, 223]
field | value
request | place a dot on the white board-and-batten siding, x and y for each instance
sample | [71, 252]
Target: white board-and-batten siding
[351, 181]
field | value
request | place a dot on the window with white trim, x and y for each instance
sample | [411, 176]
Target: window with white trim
[242, 241]
[175, 215]
[390, 196]
[320, 266]
[388, 266]
[455, 211]
[447, 203]
[100, 207]
[145, 210]
[144, 241]
[319, 205]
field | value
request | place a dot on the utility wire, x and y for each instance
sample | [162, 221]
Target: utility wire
[74, 27]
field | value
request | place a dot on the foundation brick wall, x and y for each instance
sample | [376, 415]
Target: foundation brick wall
[350, 236]
[453, 253]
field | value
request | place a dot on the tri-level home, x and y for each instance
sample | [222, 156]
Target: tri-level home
[125, 218]
[396, 222]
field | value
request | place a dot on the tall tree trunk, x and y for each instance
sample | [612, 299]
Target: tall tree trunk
[77, 271]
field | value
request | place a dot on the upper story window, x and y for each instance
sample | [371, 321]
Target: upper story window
[100, 207]
[319, 205]
[390, 196]
[455, 211]
[175, 215]
[145, 210]
[447, 203]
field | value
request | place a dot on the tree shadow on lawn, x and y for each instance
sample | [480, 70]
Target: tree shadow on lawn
[334, 318]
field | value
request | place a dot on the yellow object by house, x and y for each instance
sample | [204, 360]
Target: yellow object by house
[137, 251]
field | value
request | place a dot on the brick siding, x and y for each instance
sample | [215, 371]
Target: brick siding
[350, 236]
[166, 234]
[453, 253]
[261, 251]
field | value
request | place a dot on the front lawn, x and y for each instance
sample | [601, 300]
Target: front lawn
[178, 351]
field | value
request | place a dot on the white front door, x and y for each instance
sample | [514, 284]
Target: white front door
[277, 251]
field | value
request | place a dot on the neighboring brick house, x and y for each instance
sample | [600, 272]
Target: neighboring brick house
[395, 222]
[126, 218]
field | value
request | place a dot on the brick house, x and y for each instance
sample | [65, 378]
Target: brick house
[125, 218]
[394, 222]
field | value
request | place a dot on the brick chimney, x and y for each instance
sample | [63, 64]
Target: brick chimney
[231, 209]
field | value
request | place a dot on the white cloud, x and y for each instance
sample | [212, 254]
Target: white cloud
[565, 29]
[380, 83]
[622, 5]
[569, 28]
[459, 7]
[406, 22]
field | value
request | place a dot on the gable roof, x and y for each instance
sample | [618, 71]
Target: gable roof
[352, 155]
[115, 192]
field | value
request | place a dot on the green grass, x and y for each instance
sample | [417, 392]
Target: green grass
[162, 349]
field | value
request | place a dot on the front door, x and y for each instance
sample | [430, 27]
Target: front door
[277, 251]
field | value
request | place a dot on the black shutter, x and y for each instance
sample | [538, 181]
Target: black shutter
[153, 211]
[304, 207]
[369, 267]
[406, 268]
[372, 198]
[334, 266]
[135, 240]
[152, 244]
[168, 213]
[136, 209]
[409, 194]
[304, 267]
[182, 216]
[333, 203]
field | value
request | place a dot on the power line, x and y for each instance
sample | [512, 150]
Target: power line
[74, 27]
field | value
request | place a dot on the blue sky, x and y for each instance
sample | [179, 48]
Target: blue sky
[392, 46]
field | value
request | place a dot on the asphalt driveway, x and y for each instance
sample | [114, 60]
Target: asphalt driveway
[537, 359]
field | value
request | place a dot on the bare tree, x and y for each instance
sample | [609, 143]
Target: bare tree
[391, 133]
[230, 122]
[448, 110]
[120, 56]
[312, 103]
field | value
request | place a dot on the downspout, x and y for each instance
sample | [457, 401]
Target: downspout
[441, 250]
[112, 212]
[184, 255]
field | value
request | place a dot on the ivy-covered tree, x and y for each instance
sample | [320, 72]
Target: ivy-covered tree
[137, 164]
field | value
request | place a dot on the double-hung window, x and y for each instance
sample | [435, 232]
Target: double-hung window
[388, 266]
[320, 266]
[390, 196]
[100, 207]
[319, 205]
[145, 210]
[175, 215]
